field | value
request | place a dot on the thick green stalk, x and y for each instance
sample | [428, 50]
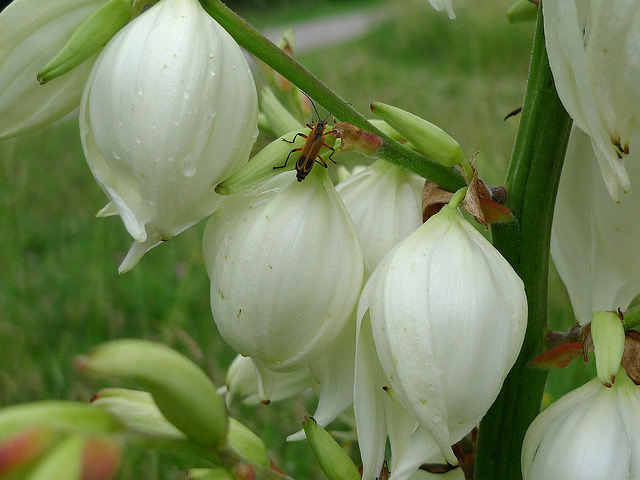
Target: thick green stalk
[532, 184]
[254, 42]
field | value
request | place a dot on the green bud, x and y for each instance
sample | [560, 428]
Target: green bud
[522, 11]
[608, 337]
[90, 36]
[278, 118]
[62, 416]
[333, 460]
[137, 411]
[181, 390]
[427, 137]
[63, 462]
[247, 444]
[261, 166]
[210, 474]
[385, 128]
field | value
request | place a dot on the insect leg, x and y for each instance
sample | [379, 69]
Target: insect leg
[285, 162]
[294, 138]
[332, 152]
[322, 162]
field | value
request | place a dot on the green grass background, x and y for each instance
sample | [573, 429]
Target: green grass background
[60, 293]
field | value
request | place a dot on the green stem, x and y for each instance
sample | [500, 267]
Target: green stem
[254, 42]
[532, 184]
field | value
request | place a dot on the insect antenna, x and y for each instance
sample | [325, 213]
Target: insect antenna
[316, 110]
[339, 105]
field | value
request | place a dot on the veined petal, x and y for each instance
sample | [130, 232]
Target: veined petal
[593, 243]
[385, 203]
[334, 373]
[584, 435]
[169, 111]
[31, 33]
[448, 316]
[286, 267]
[368, 402]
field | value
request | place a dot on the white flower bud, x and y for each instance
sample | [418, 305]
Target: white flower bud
[385, 204]
[593, 54]
[448, 316]
[594, 239]
[170, 110]
[589, 434]
[31, 33]
[285, 267]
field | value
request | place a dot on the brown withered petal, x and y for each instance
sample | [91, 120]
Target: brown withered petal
[433, 199]
[587, 342]
[356, 139]
[471, 202]
[631, 355]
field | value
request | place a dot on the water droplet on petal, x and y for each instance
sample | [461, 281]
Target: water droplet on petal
[188, 167]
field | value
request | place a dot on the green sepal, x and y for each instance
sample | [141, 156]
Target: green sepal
[279, 120]
[90, 36]
[267, 162]
[608, 337]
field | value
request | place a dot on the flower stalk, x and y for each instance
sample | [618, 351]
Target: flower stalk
[532, 182]
[254, 42]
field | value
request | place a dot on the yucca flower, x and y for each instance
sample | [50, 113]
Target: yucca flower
[593, 54]
[447, 317]
[593, 240]
[170, 110]
[286, 269]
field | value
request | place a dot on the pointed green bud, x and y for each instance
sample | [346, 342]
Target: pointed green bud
[67, 417]
[64, 461]
[181, 390]
[209, 474]
[278, 118]
[90, 36]
[137, 411]
[607, 333]
[268, 162]
[522, 11]
[333, 460]
[247, 444]
[427, 137]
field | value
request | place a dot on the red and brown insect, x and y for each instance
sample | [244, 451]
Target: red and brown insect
[309, 152]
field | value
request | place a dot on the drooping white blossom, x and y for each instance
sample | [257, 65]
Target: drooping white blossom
[31, 33]
[594, 239]
[170, 110]
[286, 269]
[447, 320]
[591, 433]
[594, 54]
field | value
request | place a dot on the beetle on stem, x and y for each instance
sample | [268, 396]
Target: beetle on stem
[310, 151]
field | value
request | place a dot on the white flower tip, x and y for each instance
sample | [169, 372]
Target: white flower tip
[137, 251]
[109, 210]
[296, 437]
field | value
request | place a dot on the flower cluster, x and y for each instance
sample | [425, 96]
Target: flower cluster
[377, 292]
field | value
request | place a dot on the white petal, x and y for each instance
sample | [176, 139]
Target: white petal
[31, 33]
[368, 402]
[593, 243]
[285, 268]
